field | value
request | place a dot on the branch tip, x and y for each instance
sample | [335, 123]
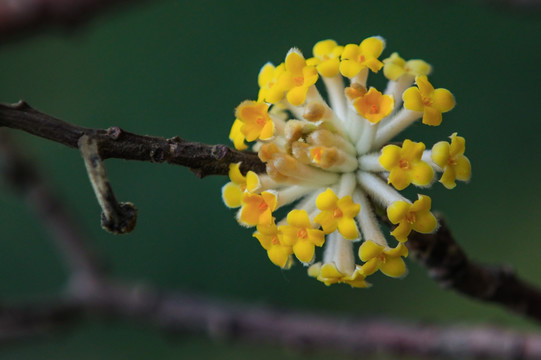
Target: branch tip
[117, 218]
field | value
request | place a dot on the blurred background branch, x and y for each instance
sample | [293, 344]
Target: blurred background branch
[21, 17]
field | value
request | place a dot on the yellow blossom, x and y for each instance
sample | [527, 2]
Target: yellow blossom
[300, 234]
[329, 274]
[373, 105]
[432, 102]
[405, 164]
[365, 55]
[237, 136]
[233, 190]
[450, 157]
[416, 216]
[388, 260]
[337, 214]
[297, 77]
[326, 148]
[257, 209]
[326, 57]
[256, 122]
[269, 89]
[269, 238]
[395, 67]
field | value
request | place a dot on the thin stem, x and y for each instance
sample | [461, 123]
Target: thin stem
[118, 218]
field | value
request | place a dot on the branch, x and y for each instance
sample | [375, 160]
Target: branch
[18, 16]
[177, 313]
[448, 264]
[114, 142]
[445, 260]
[118, 218]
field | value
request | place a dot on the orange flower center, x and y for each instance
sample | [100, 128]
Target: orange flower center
[374, 109]
[427, 101]
[298, 80]
[452, 161]
[262, 206]
[337, 213]
[260, 120]
[410, 217]
[361, 58]
[275, 240]
[404, 164]
[302, 234]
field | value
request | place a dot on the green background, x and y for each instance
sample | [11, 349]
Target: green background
[180, 68]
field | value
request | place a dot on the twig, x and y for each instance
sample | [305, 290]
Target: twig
[114, 142]
[118, 218]
[449, 265]
[21, 16]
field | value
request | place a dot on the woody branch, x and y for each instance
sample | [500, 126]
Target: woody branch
[445, 261]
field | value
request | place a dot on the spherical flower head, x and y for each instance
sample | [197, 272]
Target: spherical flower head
[416, 216]
[337, 214]
[326, 57]
[365, 55]
[331, 160]
[405, 165]
[257, 209]
[329, 274]
[450, 157]
[297, 77]
[278, 252]
[256, 122]
[300, 234]
[373, 105]
[432, 102]
[233, 190]
[396, 67]
[269, 89]
[388, 260]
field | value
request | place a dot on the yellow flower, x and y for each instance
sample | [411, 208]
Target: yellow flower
[358, 57]
[388, 260]
[256, 122]
[395, 67]
[269, 238]
[405, 164]
[300, 234]
[450, 157]
[326, 148]
[297, 77]
[329, 274]
[431, 102]
[373, 105]
[257, 209]
[416, 216]
[233, 190]
[337, 214]
[269, 90]
[326, 57]
[237, 136]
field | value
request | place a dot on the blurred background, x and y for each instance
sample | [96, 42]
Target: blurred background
[180, 68]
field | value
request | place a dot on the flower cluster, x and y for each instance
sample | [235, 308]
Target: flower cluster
[332, 159]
